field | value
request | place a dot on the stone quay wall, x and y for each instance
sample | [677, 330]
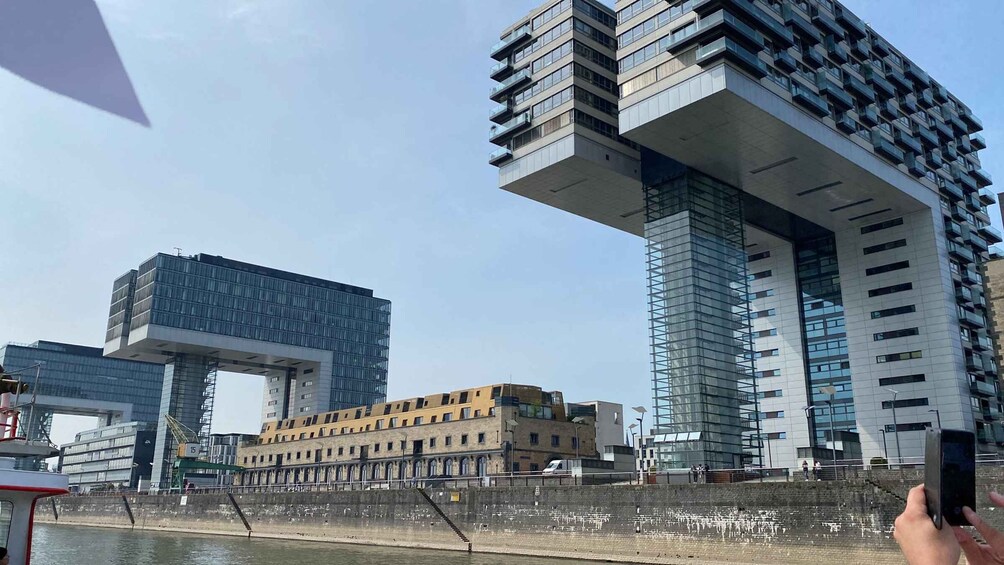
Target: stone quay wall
[847, 521]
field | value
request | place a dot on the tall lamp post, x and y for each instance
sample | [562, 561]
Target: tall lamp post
[641, 429]
[511, 424]
[895, 427]
[831, 390]
[634, 448]
[937, 415]
[578, 422]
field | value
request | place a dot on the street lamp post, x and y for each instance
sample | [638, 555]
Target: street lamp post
[831, 390]
[937, 415]
[895, 427]
[511, 424]
[885, 448]
[578, 422]
[634, 448]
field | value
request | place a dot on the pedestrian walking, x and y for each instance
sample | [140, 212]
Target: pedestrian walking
[693, 473]
[805, 469]
[702, 470]
[817, 468]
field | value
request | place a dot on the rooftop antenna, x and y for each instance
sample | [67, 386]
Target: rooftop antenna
[178, 249]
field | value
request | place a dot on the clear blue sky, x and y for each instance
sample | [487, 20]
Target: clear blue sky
[323, 138]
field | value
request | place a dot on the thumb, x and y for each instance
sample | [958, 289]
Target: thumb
[974, 554]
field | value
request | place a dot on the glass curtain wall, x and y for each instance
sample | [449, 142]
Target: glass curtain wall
[825, 337]
[704, 393]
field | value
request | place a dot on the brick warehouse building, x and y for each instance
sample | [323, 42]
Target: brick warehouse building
[466, 433]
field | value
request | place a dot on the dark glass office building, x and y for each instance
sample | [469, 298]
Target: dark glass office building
[73, 379]
[321, 345]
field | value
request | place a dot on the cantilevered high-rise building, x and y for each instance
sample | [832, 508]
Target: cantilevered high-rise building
[813, 204]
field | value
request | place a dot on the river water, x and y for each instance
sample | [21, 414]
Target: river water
[66, 545]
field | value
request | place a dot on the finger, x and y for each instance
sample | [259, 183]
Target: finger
[916, 501]
[992, 536]
[997, 499]
[969, 545]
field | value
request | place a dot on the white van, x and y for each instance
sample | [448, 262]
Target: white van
[559, 467]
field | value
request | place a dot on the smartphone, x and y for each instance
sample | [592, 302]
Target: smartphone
[949, 475]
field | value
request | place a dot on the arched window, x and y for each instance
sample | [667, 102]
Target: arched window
[416, 469]
[388, 471]
[448, 467]
[338, 474]
[432, 468]
[374, 472]
[482, 466]
[402, 471]
[465, 466]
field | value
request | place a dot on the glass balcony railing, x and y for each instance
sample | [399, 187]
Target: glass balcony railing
[951, 190]
[965, 145]
[828, 24]
[868, 115]
[851, 23]
[978, 141]
[834, 92]
[783, 60]
[963, 294]
[845, 123]
[500, 71]
[944, 131]
[721, 19]
[886, 149]
[898, 79]
[970, 275]
[940, 93]
[974, 123]
[926, 99]
[836, 49]
[858, 88]
[991, 233]
[800, 25]
[982, 177]
[500, 155]
[915, 73]
[513, 125]
[813, 58]
[982, 387]
[960, 252]
[926, 136]
[500, 49]
[907, 141]
[500, 113]
[934, 159]
[733, 52]
[501, 88]
[965, 179]
[809, 100]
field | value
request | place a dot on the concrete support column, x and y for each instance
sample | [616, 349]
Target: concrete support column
[187, 395]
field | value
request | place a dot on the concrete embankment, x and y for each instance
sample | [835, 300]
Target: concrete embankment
[798, 522]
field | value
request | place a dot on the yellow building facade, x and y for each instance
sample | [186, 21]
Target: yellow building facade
[475, 432]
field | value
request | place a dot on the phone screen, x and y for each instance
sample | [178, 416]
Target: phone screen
[958, 476]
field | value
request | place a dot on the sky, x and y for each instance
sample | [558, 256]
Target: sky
[348, 141]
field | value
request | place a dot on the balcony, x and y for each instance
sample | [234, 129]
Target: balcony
[500, 131]
[845, 123]
[982, 343]
[800, 25]
[944, 131]
[990, 233]
[898, 79]
[926, 99]
[907, 141]
[499, 91]
[851, 23]
[501, 71]
[733, 52]
[958, 212]
[708, 25]
[964, 179]
[913, 165]
[836, 49]
[960, 253]
[826, 23]
[500, 113]
[784, 61]
[813, 58]
[982, 388]
[969, 275]
[978, 242]
[950, 189]
[858, 88]
[974, 364]
[781, 35]
[500, 156]
[868, 115]
[833, 91]
[860, 48]
[974, 123]
[978, 141]
[926, 136]
[963, 295]
[915, 73]
[886, 149]
[972, 319]
[888, 110]
[501, 49]
[982, 177]
[949, 151]
[809, 100]
[909, 104]
[880, 46]
[965, 145]
[934, 159]
[955, 121]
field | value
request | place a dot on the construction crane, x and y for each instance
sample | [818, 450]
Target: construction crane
[189, 450]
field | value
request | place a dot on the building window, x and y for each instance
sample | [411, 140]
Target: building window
[893, 334]
[771, 394]
[760, 275]
[912, 427]
[904, 356]
[432, 442]
[758, 256]
[463, 439]
[481, 437]
[352, 450]
[341, 450]
[884, 246]
[769, 373]
[904, 403]
[777, 435]
[882, 291]
[465, 413]
[766, 333]
[555, 441]
[762, 294]
[448, 417]
[893, 311]
[376, 448]
[393, 422]
[765, 353]
[449, 441]
[772, 415]
[905, 379]
[887, 268]
[418, 421]
[575, 443]
[763, 313]
[534, 439]
[390, 446]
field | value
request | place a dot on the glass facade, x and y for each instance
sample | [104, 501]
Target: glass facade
[76, 372]
[825, 337]
[704, 392]
[116, 456]
[221, 296]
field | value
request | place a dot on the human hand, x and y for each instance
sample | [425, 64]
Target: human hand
[918, 539]
[982, 553]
